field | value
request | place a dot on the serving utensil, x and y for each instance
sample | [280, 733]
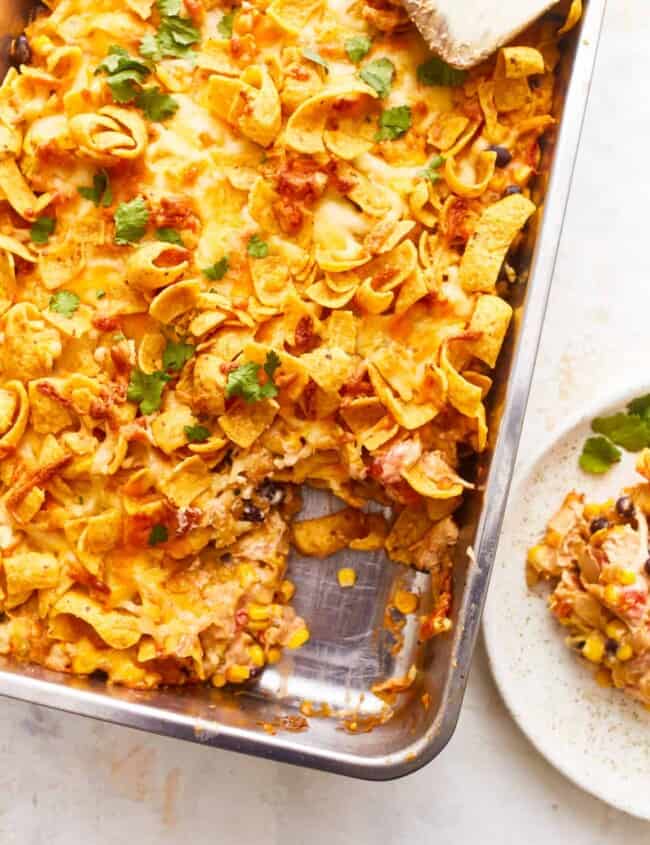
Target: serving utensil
[465, 32]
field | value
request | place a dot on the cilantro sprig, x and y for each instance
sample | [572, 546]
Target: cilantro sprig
[176, 355]
[393, 123]
[431, 171]
[379, 75]
[218, 270]
[158, 534]
[101, 192]
[41, 229]
[224, 27]
[169, 236]
[175, 37]
[64, 302]
[156, 105]
[147, 389]
[437, 72]
[244, 380]
[316, 58]
[256, 247]
[196, 433]
[628, 429]
[131, 219]
[357, 47]
[126, 76]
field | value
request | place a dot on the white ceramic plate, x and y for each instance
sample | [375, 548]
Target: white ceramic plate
[597, 737]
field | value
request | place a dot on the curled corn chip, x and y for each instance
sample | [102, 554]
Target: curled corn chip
[117, 629]
[110, 134]
[484, 172]
[154, 265]
[487, 248]
[490, 319]
[325, 535]
[175, 300]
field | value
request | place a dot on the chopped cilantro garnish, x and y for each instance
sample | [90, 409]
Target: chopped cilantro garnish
[169, 236]
[357, 47]
[175, 35]
[125, 74]
[379, 74]
[176, 355]
[100, 193]
[131, 220]
[316, 58]
[598, 455]
[147, 389]
[64, 302]
[393, 123]
[436, 72]
[196, 433]
[627, 430]
[218, 270]
[244, 381]
[640, 407]
[430, 172]
[224, 27]
[156, 105]
[41, 229]
[100, 294]
[257, 248]
[158, 534]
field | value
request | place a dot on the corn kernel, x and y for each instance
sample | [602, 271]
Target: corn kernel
[611, 594]
[258, 612]
[594, 647]
[615, 629]
[595, 509]
[256, 654]
[236, 674]
[347, 577]
[626, 576]
[245, 574]
[261, 625]
[535, 554]
[218, 679]
[41, 45]
[298, 638]
[624, 652]
[553, 538]
[274, 655]
[287, 590]
[406, 602]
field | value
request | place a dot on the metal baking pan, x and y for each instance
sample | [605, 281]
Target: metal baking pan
[350, 648]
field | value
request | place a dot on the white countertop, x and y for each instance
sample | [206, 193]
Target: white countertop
[66, 780]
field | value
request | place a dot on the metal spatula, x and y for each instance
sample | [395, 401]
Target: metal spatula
[464, 32]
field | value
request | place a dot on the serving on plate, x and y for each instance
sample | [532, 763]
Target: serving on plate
[233, 266]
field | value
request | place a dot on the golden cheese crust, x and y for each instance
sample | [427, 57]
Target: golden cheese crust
[242, 249]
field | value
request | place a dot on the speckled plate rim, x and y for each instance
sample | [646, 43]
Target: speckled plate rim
[546, 743]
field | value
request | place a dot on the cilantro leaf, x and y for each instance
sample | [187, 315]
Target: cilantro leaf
[244, 381]
[316, 58]
[379, 75]
[147, 389]
[430, 172]
[158, 534]
[224, 27]
[156, 105]
[218, 270]
[131, 220]
[100, 193]
[257, 248]
[641, 407]
[357, 47]
[124, 73]
[149, 48]
[176, 355]
[196, 433]
[436, 72]
[168, 8]
[626, 430]
[169, 236]
[64, 302]
[393, 123]
[598, 455]
[41, 229]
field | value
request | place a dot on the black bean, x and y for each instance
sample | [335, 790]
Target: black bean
[646, 566]
[625, 507]
[512, 189]
[21, 52]
[272, 491]
[598, 524]
[251, 514]
[611, 646]
[504, 156]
